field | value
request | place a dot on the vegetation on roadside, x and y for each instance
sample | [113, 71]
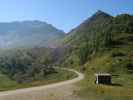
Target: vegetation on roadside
[60, 75]
[22, 68]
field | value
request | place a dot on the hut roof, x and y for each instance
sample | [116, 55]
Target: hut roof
[102, 74]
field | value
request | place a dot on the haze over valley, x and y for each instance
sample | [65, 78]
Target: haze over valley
[83, 50]
[27, 34]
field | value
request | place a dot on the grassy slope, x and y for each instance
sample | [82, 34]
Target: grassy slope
[97, 32]
[118, 61]
[8, 84]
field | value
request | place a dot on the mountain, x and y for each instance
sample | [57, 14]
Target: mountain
[98, 17]
[96, 34]
[102, 44]
[87, 30]
[27, 34]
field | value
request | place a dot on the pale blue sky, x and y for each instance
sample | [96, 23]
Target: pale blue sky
[63, 14]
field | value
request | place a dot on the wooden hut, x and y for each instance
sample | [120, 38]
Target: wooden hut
[103, 78]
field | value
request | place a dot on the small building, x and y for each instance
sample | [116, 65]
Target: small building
[103, 78]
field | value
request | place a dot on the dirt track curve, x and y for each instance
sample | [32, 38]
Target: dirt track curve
[57, 91]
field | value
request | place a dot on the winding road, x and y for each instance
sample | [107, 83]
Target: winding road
[57, 91]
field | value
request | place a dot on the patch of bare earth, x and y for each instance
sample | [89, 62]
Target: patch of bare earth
[66, 92]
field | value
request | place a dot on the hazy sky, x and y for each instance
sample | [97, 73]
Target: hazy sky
[64, 14]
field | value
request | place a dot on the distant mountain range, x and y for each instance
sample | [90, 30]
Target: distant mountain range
[27, 34]
[38, 34]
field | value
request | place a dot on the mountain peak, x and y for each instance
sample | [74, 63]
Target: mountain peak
[101, 13]
[98, 14]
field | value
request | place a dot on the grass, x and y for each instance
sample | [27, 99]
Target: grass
[119, 62]
[121, 89]
[61, 75]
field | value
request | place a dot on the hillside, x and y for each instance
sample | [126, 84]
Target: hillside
[96, 34]
[102, 43]
[27, 34]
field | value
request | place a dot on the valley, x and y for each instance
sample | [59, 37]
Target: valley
[100, 44]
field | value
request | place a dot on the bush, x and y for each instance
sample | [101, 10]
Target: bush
[117, 54]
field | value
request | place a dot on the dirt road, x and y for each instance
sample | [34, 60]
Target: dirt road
[58, 91]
